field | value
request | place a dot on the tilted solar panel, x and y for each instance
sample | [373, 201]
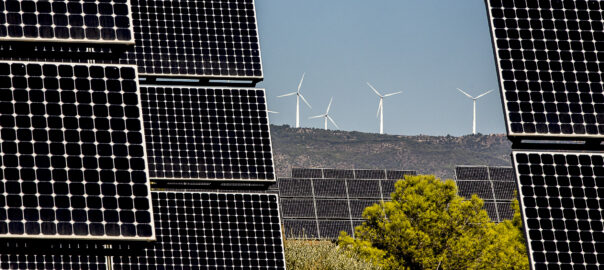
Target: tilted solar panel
[388, 186]
[198, 133]
[298, 208]
[483, 189]
[369, 174]
[364, 189]
[504, 190]
[505, 210]
[338, 173]
[561, 202]
[490, 207]
[53, 262]
[102, 21]
[300, 228]
[327, 208]
[502, 174]
[289, 187]
[197, 230]
[358, 206]
[396, 174]
[72, 153]
[330, 229]
[548, 55]
[330, 188]
[197, 38]
[471, 173]
[307, 173]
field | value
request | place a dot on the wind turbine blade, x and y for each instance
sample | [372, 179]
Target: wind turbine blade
[303, 99]
[484, 94]
[392, 94]
[379, 108]
[333, 122]
[317, 116]
[286, 95]
[301, 80]
[468, 95]
[329, 106]
[374, 90]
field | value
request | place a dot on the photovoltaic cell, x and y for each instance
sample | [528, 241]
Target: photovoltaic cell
[103, 21]
[53, 262]
[198, 38]
[330, 188]
[482, 189]
[197, 133]
[289, 187]
[72, 153]
[197, 230]
[307, 173]
[548, 55]
[562, 208]
[471, 173]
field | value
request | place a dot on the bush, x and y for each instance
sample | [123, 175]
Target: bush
[319, 255]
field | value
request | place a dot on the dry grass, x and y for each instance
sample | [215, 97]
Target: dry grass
[319, 255]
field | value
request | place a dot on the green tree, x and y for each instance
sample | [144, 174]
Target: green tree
[428, 226]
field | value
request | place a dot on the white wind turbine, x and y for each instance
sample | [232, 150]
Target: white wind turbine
[298, 96]
[474, 101]
[326, 116]
[380, 111]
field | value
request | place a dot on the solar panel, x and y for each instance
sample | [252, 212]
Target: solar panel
[198, 230]
[289, 187]
[72, 154]
[330, 229]
[561, 207]
[504, 190]
[300, 228]
[53, 262]
[547, 54]
[490, 207]
[505, 210]
[394, 174]
[363, 189]
[307, 173]
[370, 174]
[198, 133]
[195, 38]
[388, 186]
[358, 206]
[338, 173]
[501, 174]
[327, 208]
[297, 208]
[331, 188]
[102, 21]
[482, 189]
[471, 173]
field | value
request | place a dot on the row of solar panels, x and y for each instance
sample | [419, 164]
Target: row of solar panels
[335, 188]
[195, 230]
[494, 173]
[548, 57]
[192, 38]
[350, 173]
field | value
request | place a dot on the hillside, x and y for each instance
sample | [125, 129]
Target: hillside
[306, 147]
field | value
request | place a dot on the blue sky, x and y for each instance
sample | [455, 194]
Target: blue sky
[425, 48]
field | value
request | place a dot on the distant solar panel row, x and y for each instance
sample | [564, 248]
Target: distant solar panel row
[72, 153]
[195, 133]
[350, 174]
[66, 21]
[548, 55]
[484, 173]
[335, 188]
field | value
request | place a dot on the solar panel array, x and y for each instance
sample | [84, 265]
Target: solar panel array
[82, 143]
[547, 54]
[200, 133]
[200, 230]
[320, 207]
[494, 185]
[548, 57]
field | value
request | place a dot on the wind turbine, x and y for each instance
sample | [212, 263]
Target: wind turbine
[326, 116]
[380, 111]
[474, 101]
[298, 96]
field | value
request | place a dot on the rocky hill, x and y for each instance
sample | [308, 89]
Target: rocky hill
[306, 147]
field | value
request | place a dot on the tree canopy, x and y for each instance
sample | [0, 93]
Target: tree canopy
[428, 226]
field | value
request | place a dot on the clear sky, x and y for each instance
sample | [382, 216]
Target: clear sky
[425, 48]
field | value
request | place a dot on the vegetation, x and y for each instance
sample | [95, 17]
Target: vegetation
[304, 147]
[319, 255]
[428, 226]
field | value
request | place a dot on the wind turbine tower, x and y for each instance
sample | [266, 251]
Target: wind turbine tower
[326, 116]
[380, 111]
[298, 96]
[474, 101]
